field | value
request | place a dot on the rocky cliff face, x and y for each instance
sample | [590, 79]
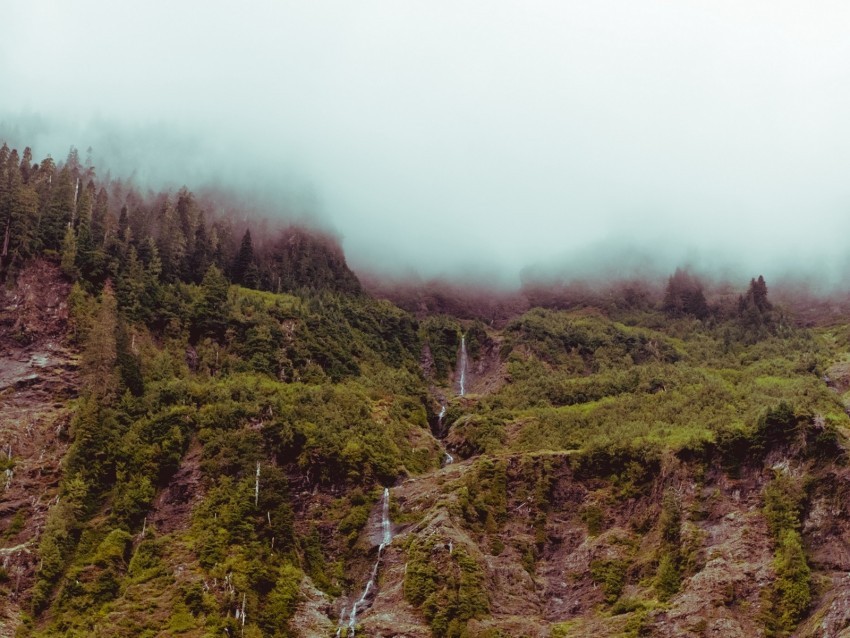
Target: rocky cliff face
[515, 542]
[38, 375]
[570, 555]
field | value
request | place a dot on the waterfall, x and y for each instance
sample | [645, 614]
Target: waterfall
[448, 459]
[386, 539]
[462, 365]
[386, 535]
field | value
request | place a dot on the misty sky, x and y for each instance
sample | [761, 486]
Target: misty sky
[467, 137]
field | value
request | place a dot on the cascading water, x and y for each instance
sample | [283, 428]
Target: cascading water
[463, 365]
[386, 539]
[386, 529]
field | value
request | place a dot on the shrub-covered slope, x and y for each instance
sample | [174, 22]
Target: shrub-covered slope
[186, 454]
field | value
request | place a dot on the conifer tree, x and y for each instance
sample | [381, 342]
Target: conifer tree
[26, 164]
[89, 259]
[242, 270]
[171, 242]
[99, 354]
[201, 256]
[100, 222]
[684, 296]
[21, 223]
[211, 311]
[124, 225]
[131, 286]
[57, 212]
[69, 253]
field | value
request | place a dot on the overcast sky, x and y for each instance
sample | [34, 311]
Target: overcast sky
[468, 137]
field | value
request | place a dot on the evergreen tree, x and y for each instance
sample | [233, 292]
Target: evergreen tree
[756, 297]
[211, 311]
[4, 156]
[90, 260]
[684, 296]
[129, 365]
[171, 242]
[130, 289]
[21, 223]
[58, 211]
[124, 225]
[69, 253]
[10, 176]
[201, 256]
[100, 222]
[99, 355]
[242, 264]
[16, 214]
[755, 312]
[26, 164]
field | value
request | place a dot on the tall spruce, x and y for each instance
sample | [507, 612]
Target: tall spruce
[244, 269]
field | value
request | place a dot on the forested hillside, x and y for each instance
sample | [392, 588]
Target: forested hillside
[198, 429]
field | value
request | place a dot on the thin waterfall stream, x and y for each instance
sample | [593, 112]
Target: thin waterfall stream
[386, 527]
[386, 539]
[463, 364]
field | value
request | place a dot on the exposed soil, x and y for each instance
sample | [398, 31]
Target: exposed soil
[723, 528]
[38, 374]
[172, 508]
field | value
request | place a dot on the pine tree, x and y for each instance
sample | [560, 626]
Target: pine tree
[57, 211]
[10, 184]
[124, 225]
[26, 164]
[69, 253]
[130, 289]
[189, 217]
[99, 354]
[242, 270]
[22, 220]
[18, 213]
[201, 256]
[171, 242]
[684, 296]
[211, 311]
[90, 259]
[100, 218]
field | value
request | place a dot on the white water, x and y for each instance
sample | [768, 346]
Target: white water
[387, 534]
[386, 539]
[448, 459]
[462, 365]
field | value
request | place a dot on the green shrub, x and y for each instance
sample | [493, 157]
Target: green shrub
[667, 577]
[610, 575]
[448, 588]
[594, 517]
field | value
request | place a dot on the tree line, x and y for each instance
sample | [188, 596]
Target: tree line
[107, 229]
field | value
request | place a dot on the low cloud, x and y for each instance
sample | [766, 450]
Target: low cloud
[482, 141]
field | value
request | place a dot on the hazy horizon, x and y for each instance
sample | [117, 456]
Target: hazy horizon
[491, 141]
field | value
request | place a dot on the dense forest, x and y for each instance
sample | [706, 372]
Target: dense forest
[200, 428]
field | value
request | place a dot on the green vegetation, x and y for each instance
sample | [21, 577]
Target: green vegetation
[788, 600]
[207, 353]
[446, 586]
[610, 575]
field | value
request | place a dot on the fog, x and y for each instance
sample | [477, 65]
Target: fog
[489, 140]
